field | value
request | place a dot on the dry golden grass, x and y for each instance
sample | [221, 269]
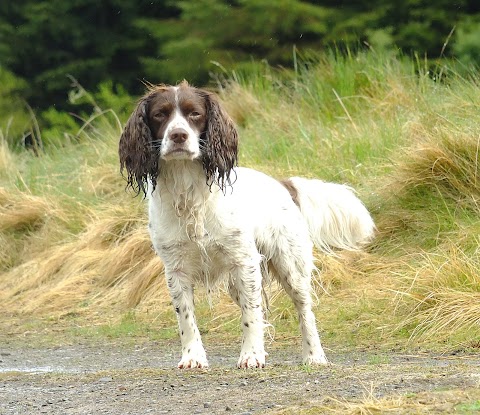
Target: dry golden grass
[240, 103]
[109, 265]
[20, 210]
[27, 224]
[453, 401]
[442, 295]
[7, 161]
[445, 158]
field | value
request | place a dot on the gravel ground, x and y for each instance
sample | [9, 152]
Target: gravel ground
[112, 378]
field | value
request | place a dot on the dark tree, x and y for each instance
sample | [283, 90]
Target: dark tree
[45, 41]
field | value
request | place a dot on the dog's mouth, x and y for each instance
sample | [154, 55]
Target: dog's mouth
[179, 153]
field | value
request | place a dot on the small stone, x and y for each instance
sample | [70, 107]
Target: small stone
[207, 405]
[243, 383]
[227, 409]
[106, 379]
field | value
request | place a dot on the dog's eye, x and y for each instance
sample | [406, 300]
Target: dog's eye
[159, 116]
[195, 115]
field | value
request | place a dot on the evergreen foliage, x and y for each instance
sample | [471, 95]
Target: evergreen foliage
[44, 44]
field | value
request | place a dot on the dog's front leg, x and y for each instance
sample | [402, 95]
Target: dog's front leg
[181, 290]
[246, 289]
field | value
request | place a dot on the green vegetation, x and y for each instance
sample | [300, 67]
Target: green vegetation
[407, 138]
[468, 408]
[49, 45]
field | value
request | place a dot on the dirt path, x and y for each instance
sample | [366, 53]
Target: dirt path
[118, 379]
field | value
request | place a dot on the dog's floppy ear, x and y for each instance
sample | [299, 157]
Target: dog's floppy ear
[136, 151]
[221, 144]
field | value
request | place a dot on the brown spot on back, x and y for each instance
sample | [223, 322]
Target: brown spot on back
[287, 183]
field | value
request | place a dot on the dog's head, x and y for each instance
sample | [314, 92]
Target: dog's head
[178, 123]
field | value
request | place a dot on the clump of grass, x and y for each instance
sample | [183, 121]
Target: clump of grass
[23, 211]
[443, 296]
[110, 263]
[27, 223]
[444, 158]
[461, 401]
[347, 109]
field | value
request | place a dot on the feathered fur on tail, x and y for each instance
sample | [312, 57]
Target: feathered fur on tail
[335, 216]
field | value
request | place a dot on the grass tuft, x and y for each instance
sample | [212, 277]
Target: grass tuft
[443, 296]
[454, 401]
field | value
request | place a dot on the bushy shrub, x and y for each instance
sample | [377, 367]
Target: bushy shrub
[15, 120]
[467, 41]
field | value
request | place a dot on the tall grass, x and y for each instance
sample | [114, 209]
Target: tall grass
[405, 137]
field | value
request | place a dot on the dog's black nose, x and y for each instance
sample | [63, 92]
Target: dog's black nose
[178, 135]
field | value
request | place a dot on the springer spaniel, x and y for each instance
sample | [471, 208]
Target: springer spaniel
[211, 221]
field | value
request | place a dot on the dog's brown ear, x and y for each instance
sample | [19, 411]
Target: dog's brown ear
[221, 144]
[137, 151]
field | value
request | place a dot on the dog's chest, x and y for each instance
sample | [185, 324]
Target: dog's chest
[200, 245]
[203, 259]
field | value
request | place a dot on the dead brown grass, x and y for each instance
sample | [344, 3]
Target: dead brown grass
[110, 264]
[19, 210]
[442, 295]
[452, 401]
[7, 160]
[443, 157]
[27, 224]
[240, 103]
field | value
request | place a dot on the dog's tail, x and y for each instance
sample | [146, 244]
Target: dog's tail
[335, 216]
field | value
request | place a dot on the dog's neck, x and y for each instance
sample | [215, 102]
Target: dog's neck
[181, 185]
[183, 180]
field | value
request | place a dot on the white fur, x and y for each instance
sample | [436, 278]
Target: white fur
[207, 236]
[335, 216]
[191, 147]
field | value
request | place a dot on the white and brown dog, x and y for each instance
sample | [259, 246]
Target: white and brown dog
[210, 220]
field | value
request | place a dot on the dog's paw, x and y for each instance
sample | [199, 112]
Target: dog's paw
[193, 359]
[315, 360]
[251, 360]
[192, 363]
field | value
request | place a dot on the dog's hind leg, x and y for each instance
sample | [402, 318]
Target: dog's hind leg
[293, 269]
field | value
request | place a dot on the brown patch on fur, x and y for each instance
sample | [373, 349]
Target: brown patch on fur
[136, 148]
[221, 142]
[287, 183]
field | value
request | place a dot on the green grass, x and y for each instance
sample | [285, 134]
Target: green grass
[72, 241]
[468, 408]
[378, 359]
[129, 326]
